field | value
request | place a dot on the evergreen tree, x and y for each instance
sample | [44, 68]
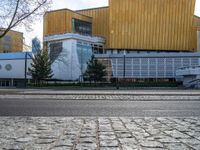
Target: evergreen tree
[95, 70]
[41, 67]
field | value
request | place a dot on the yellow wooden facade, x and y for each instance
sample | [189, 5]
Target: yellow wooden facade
[151, 24]
[12, 42]
[134, 24]
[60, 21]
[196, 26]
[100, 21]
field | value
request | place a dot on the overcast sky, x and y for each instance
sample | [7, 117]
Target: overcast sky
[74, 5]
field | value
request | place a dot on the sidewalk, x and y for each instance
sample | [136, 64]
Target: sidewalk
[102, 97]
[98, 92]
[126, 95]
[62, 133]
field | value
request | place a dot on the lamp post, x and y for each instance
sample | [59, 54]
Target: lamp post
[124, 74]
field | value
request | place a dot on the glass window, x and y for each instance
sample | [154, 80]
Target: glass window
[3, 83]
[97, 49]
[55, 50]
[7, 46]
[84, 55]
[82, 27]
[7, 38]
[7, 83]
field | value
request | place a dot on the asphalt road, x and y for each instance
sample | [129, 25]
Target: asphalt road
[21, 107]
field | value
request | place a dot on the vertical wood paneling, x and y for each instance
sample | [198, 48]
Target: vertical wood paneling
[60, 21]
[157, 24]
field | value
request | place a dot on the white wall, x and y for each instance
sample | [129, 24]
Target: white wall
[67, 66]
[17, 70]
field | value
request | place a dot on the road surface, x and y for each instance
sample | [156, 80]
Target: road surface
[93, 108]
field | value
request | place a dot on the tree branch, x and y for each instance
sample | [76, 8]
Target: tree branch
[18, 18]
[13, 18]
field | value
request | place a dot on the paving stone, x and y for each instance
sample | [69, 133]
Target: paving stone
[176, 134]
[127, 141]
[107, 133]
[45, 141]
[129, 147]
[87, 140]
[151, 144]
[90, 146]
[59, 133]
[65, 142]
[177, 146]
[190, 141]
[13, 147]
[152, 148]
[61, 148]
[109, 148]
[166, 139]
[107, 137]
[109, 143]
[123, 135]
[24, 140]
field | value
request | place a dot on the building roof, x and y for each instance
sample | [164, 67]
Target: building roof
[66, 9]
[104, 7]
[17, 55]
[2, 29]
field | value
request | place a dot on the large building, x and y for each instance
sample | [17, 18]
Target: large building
[12, 68]
[11, 42]
[129, 27]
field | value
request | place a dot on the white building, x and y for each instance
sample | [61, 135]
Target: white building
[12, 68]
[70, 53]
[149, 65]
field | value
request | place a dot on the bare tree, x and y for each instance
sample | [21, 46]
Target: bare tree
[15, 13]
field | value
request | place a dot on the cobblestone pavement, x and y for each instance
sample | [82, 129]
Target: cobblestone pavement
[104, 97]
[62, 133]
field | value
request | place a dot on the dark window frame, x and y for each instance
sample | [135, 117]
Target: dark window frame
[81, 27]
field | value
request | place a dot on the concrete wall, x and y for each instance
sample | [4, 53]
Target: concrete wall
[66, 66]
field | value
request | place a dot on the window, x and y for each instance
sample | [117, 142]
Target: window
[84, 52]
[7, 39]
[55, 50]
[97, 49]
[8, 67]
[7, 42]
[6, 46]
[82, 27]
